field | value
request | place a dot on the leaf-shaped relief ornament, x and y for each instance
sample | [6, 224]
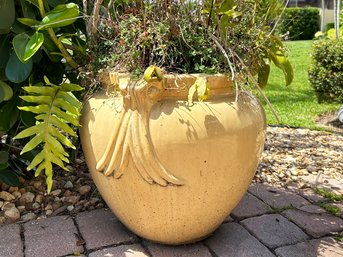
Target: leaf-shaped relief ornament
[131, 137]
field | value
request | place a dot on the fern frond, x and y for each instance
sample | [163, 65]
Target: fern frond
[55, 106]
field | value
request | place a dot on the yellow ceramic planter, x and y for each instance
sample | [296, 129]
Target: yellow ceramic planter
[169, 171]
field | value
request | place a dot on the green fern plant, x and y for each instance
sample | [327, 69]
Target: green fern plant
[56, 107]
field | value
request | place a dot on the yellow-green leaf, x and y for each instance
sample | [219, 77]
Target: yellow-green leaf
[35, 141]
[7, 90]
[280, 61]
[70, 87]
[71, 118]
[203, 90]
[61, 103]
[35, 109]
[57, 161]
[70, 98]
[41, 117]
[29, 131]
[33, 45]
[54, 143]
[206, 95]
[153, 72]
[39, 169]
[191, 93]
[40, 90]
[28, 22]
[263, 74]
[63, 156]
[199, 86]
[37, 99]
[36, 161]
[56, 107]
[48, 173]
[47, 81]
[61, 125]
[60, 137]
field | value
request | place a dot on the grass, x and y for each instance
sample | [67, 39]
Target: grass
[334, 210]
[296, 105]
[329, 195]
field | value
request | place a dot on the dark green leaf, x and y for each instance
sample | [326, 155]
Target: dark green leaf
[2, 75]
[38, 56]
[3, 166]
[4, 50]
[54, 3]
[34, 2]
[3, 157]
[19, 44]
[4, 31]
[28, 118]
[2, 95]
[49, 47]
[62, 15]
[16, 71]
[18, 27]
[27, 9]
[17, 165]
[30, 155]
[9, 114]
[7, 14]
[9, 177]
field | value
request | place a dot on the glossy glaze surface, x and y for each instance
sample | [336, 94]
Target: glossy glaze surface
[210, 151]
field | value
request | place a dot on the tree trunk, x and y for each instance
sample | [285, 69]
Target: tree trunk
[322, 25]
[338, 19]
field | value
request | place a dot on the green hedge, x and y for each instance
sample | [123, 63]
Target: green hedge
[326, 70]
[300, 23]
[329, 26]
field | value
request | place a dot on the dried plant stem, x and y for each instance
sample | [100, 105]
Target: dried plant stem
[255, 83]
[95, 19]
[233, 76]
[264, 97]
[110, 5]
[85, 4]
[279, 18]
[184, 40]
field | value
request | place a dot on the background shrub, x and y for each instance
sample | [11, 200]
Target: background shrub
[326, 70]
[329, 26]
[300, 23]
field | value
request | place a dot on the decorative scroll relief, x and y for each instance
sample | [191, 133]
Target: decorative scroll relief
[131, 137]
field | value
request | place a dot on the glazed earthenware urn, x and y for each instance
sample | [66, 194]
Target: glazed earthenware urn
[171, 170]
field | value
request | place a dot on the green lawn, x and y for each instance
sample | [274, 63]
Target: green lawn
[296, 105]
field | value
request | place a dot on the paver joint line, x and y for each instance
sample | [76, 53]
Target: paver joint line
[22, 237]
[264, 232]
[209, 249]
[80, 239]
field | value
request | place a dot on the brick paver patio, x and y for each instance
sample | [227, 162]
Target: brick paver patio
[267, 222]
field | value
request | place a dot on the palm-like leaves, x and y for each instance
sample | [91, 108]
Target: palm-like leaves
[55, 107]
